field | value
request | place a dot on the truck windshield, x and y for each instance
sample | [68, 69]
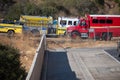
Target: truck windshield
[76, 23]
[82, 23]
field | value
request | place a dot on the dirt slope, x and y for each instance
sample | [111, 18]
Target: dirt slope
[26, 46]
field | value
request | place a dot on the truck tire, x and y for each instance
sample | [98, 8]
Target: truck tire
[75, 35]
[10, 33]
[65, 33]
[105, 36]
[110, 36]
[97, 37]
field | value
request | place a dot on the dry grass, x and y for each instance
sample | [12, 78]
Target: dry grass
[26, 46]
[68, 43]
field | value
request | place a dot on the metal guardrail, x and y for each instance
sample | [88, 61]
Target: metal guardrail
[35, 70]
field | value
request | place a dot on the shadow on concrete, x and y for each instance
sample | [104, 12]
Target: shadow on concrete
[56, 67]
[113, 52]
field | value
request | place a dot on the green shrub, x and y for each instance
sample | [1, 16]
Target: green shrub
[53, 7]
[86, 6]
[101, 2]
[7, 2]
[30, 9]
[48, 11]
[10, 66]
[14, 12]
[117, 1]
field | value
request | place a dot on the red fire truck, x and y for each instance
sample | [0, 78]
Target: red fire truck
[102, 27]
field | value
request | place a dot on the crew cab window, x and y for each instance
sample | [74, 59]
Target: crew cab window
[95, 21]
[69, 22]
[102, 21]
[109, 21]
[75, 23]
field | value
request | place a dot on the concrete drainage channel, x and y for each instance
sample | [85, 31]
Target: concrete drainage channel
[58, 65]
[73, 64]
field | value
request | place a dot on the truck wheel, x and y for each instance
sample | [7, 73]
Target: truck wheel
[10, 33]
[75, 35]
[65, 33]
[97, 37]
[105, 36]
[110, 36]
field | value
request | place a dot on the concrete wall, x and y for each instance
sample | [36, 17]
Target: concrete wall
[35, 70]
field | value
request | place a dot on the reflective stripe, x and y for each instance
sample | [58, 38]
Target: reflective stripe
[105, 27]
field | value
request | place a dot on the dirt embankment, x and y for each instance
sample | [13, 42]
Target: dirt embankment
[26, 46]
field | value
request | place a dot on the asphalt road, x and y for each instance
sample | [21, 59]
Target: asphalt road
[81, 64]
